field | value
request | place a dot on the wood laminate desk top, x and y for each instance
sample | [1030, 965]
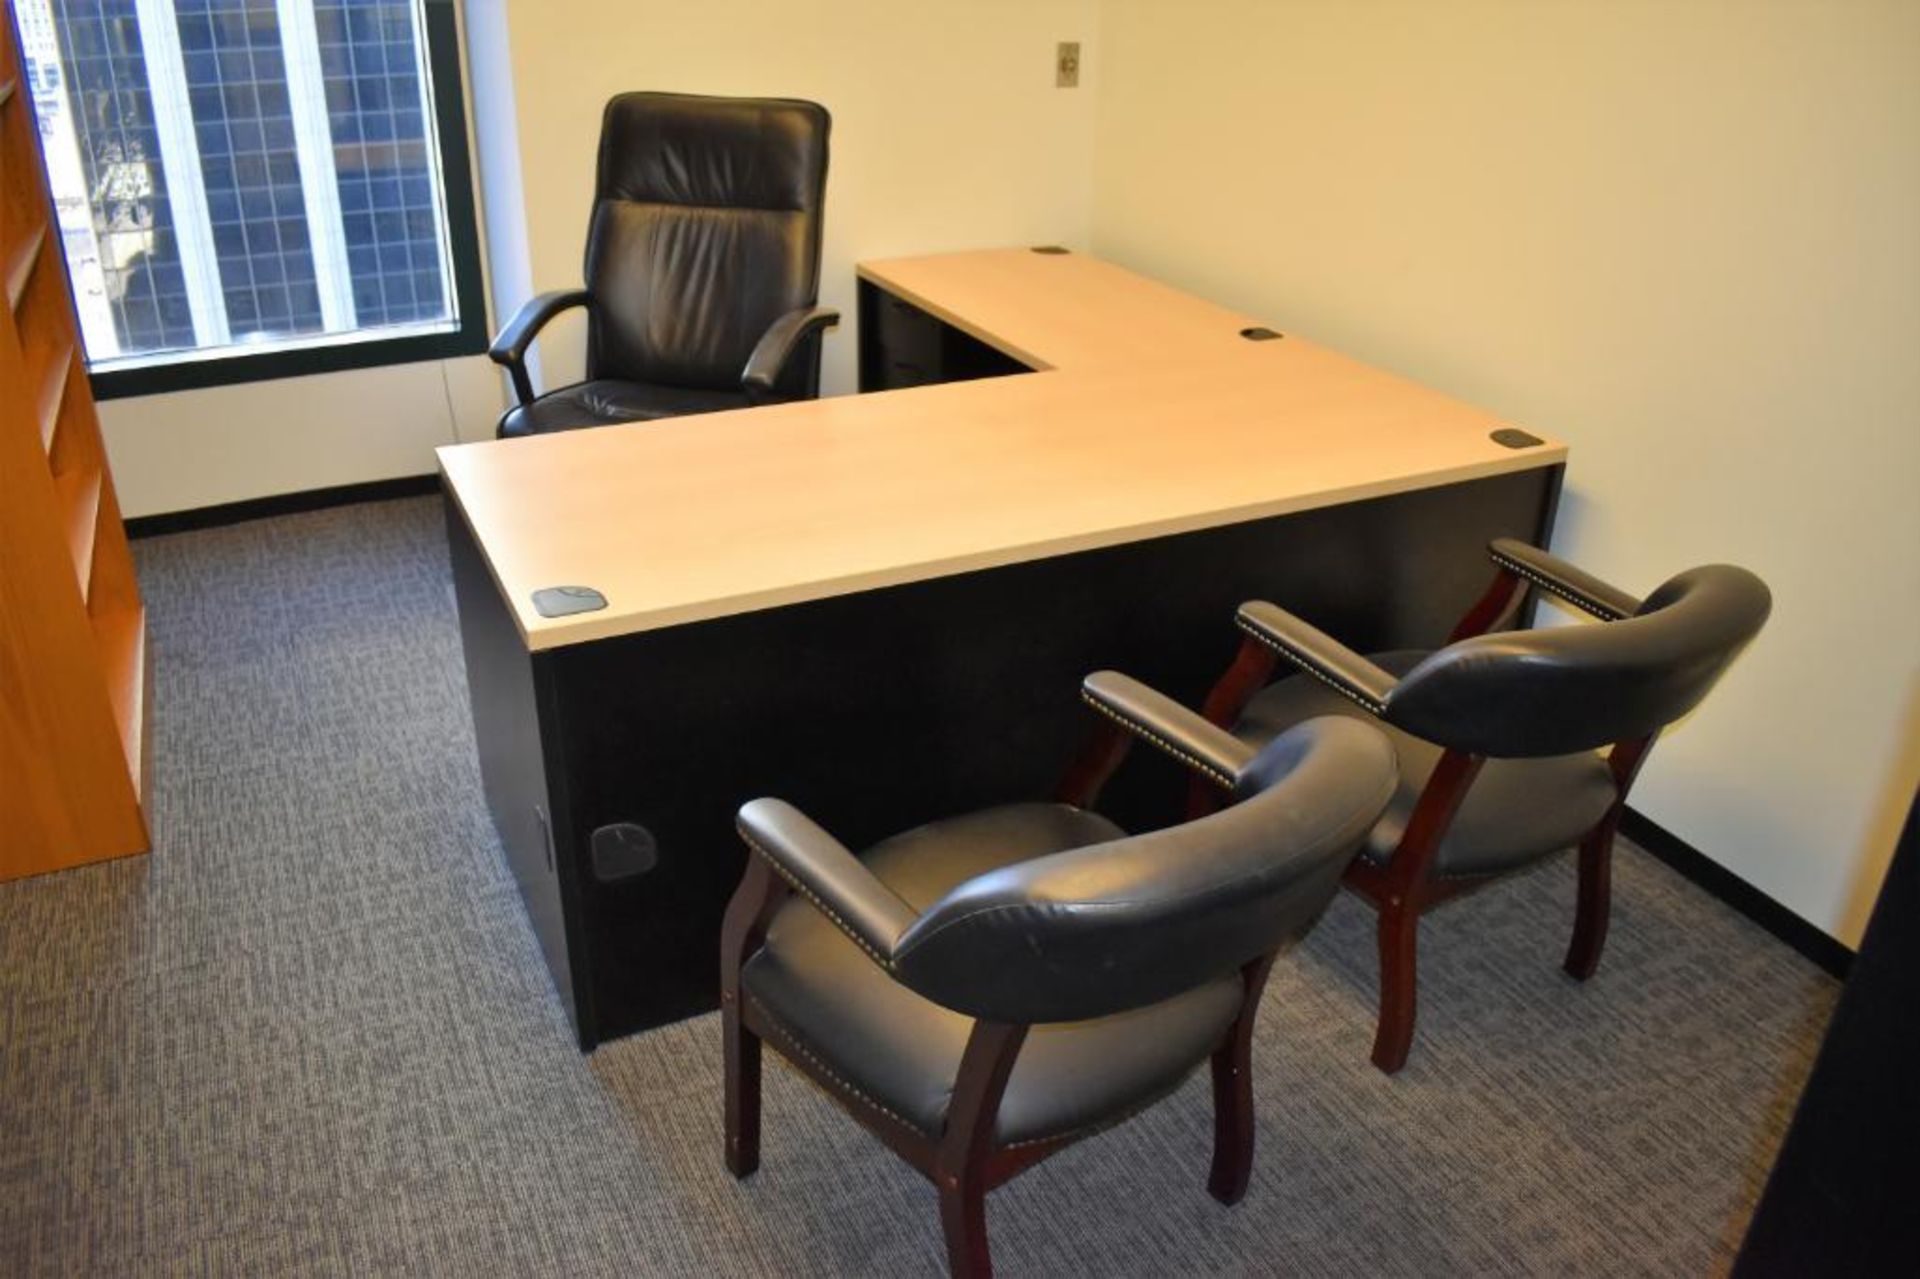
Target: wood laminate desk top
[1153, 419]
[1063, 311]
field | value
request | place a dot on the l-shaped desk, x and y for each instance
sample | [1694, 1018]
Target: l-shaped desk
[880, 606]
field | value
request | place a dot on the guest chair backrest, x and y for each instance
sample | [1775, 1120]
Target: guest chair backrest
[705, 229]
[1563, 689]
[1108, 927]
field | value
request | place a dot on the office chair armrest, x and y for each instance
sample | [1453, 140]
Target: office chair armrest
[510, 347]
[776, 347]
[1208, 750]
[1558, 578]
[821, 869]
[1318, 654]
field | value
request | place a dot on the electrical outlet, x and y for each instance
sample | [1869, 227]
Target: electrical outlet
[1066, 65]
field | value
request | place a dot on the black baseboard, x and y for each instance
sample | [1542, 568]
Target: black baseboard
[1827, 952]
[282, 504]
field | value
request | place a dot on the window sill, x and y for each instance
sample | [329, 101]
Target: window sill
[264, 366]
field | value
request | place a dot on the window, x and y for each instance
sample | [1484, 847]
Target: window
[256, 188]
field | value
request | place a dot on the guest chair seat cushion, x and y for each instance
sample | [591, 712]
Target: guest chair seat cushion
[1519, 810]
[606, 401]
[903, 1052]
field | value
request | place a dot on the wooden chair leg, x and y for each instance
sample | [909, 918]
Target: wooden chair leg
[741, 933]
[963, 1217]
[1594, 903]
[1233, 1095]
[1401, 891]
[1596, 862]
[1399, 933]
[742, 1052]
[960, 1166]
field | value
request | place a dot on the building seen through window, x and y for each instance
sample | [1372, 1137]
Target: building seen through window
[235, 175]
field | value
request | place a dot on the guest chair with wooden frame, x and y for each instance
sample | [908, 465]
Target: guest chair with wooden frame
[702, 266]
[1497, 736]
[983, 991]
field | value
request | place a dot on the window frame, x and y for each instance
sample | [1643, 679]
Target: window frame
[193, 372]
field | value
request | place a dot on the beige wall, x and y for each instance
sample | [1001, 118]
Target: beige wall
[224, 444]
[948, 132]
[1683, 236]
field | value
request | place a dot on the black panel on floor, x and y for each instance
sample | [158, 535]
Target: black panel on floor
[1844, 1197]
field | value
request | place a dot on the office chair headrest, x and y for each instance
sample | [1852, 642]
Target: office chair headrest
[683, 148]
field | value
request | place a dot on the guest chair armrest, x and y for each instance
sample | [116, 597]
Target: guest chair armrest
[1558, 578]
[1208, 750]
[510, 347]
[1318, 654]
[823, 871]
[776, 346]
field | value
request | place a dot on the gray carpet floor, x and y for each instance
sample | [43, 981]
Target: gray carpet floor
[311, 1034]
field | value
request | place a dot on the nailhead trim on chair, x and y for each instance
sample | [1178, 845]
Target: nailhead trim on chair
[1306, 664]
[1559, 589]
[792, 1041]
[1225, 780]
[818, 905]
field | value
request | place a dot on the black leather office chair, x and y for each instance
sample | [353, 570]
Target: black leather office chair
[984, 990]
[1497, 736]
[702, 270]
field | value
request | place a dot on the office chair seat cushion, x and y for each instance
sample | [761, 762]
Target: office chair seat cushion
[1518, 810]
[902, 1052]
[608, 401]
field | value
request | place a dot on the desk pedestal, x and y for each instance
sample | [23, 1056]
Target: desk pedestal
[876, 711]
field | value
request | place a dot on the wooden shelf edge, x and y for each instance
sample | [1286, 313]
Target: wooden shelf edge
[79, 493]
[20, 266]
[123, 661]
[53, 393]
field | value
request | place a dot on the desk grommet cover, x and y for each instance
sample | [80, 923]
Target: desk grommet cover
[563, 601]
[622, 850]
[1514, 438]
[1260, 333]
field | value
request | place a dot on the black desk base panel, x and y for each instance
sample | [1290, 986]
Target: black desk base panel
[877, 711]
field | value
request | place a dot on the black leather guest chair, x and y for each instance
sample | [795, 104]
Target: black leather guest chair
[982, 991]
[702, 270]
[1497, 737]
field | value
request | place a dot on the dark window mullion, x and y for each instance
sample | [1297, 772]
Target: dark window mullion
[114, 127]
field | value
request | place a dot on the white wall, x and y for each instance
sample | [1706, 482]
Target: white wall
[1685, 238]
[210, 446]
[948, 132]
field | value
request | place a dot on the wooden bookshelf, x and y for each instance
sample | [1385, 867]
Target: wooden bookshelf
[74, 666]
